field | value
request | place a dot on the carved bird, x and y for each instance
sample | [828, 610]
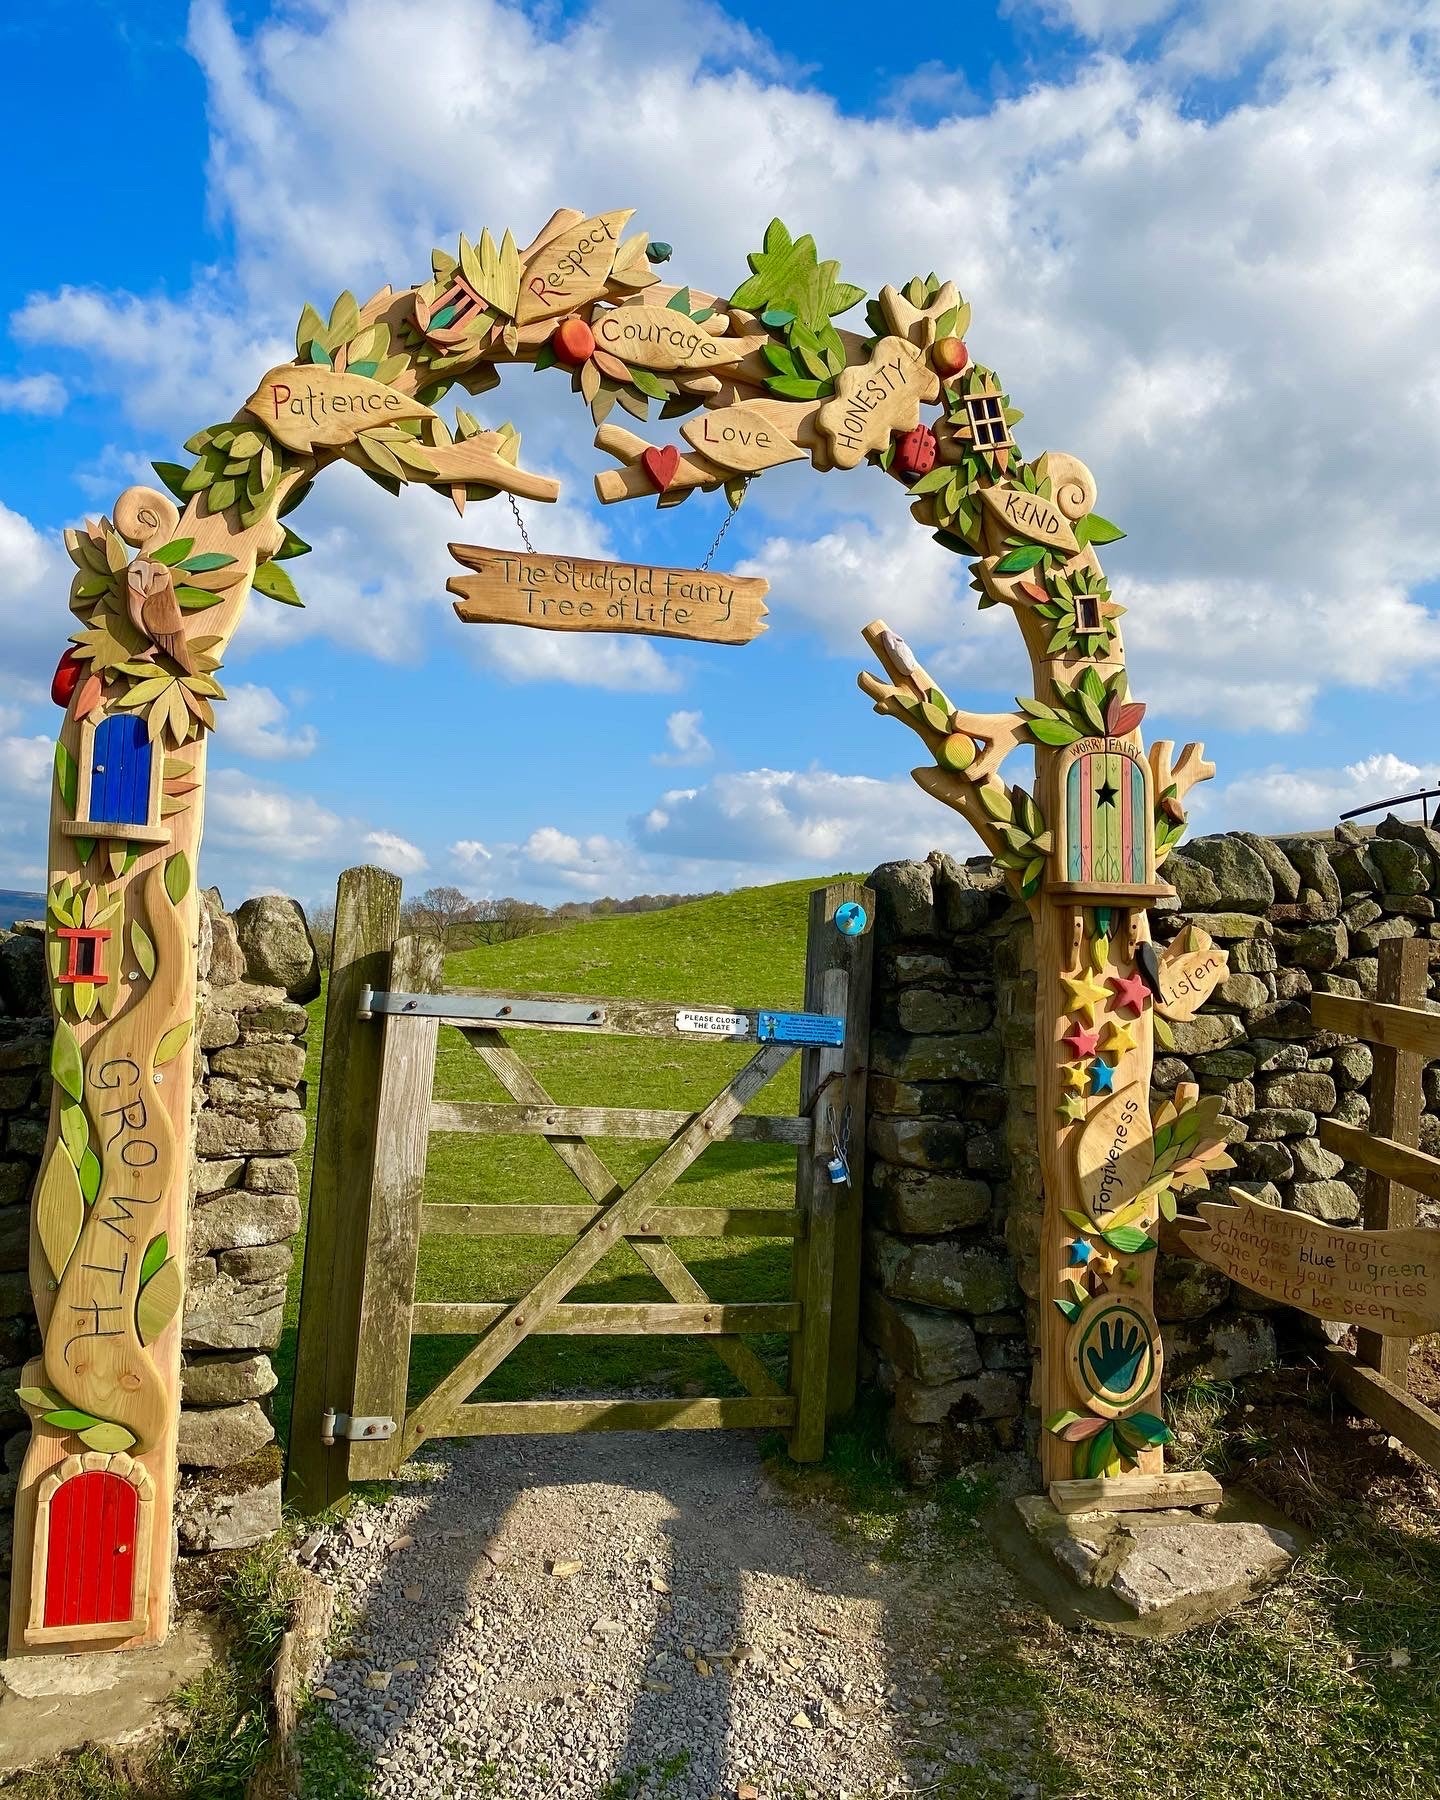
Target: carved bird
[154, 610]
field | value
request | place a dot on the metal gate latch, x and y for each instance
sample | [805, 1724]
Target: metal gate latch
[335, 1425]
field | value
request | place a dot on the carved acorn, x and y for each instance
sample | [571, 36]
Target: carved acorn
[915, 452]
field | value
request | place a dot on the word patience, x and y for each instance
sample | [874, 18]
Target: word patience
[576, 593]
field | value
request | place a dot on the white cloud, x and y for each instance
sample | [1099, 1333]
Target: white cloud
[395, 853]
[471, 852]
[32, 394]
[28, 763]
[1280, 799]
[254, 724]
[244, 814]
[688, 743]
[34, 579]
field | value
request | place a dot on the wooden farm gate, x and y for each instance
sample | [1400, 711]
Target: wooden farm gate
[351, 1419]
[1405, 1036]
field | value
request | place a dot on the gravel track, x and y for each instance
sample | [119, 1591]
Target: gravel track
[628, 1616]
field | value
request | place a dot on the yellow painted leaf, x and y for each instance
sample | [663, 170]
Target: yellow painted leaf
[107, 1437]
[59, 1211]
[144, 949]
[159, 1301]
[172, 1043]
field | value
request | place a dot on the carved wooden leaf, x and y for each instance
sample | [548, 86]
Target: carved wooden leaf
[59, 1211]
[159, 1301]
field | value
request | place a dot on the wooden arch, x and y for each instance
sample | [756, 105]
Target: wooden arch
[763, 378]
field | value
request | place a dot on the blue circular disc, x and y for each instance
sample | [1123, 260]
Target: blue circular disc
[851, 918]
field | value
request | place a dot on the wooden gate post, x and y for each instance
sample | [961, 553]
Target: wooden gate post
[837, 979]
[367, 923]
[1396, 1101]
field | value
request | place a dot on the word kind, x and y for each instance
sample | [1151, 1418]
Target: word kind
[577, 593]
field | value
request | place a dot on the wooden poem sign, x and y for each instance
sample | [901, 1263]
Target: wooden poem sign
[578, 593]
[1115, 1152]
[303, 405]
[876, 398]
[1385, 1281]
[658, 337]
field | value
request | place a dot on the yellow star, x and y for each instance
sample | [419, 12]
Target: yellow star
[1119, 1037]
[1103, 1263]
[1074, 1077]
[1086, 993]
[1071, 1108]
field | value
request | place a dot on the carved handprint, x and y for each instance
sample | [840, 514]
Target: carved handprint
[1115, 1363]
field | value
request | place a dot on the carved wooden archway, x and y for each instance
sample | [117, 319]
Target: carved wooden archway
[768, 378]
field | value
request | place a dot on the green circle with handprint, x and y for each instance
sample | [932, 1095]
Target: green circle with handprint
[1114, 1355]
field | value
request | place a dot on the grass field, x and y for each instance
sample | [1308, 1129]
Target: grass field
[740, 949]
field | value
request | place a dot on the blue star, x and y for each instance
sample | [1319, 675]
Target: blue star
[1081, 1252]
[1102, 1078]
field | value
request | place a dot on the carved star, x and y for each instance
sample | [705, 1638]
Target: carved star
[1130, 1274]
[1102, 1263]
[1081, 1041]
[1102, 1078]
[1130, 991]
[1081, 1251]
[1106, 794]
[1073, 1076]
[1085, 994]
[1071, 1109]
[1120, 1037]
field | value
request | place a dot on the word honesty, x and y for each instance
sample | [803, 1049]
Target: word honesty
[1387, 1281]
[302, 406]
[877, 398]
[577, 593]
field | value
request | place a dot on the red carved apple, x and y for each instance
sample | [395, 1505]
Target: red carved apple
[573, 342]
[950, 356]
[68, 671]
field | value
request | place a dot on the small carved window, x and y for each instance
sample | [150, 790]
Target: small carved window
[1087, 612]
[84, 955]
[988, 429]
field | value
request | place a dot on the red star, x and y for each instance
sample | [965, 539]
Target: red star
[1082, 1040]
[1130, 991]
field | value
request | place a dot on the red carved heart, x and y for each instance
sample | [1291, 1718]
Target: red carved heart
[661, 464]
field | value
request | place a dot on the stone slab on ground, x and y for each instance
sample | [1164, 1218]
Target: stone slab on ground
[1150, 1574]
[118, 1700]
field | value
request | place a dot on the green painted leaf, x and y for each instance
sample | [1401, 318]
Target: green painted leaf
[155, 1253]
[293, 545]
[1099, 1451]
[1146, 1430]
[792, 387]
[649, 384]
[158, 1301]
[74, 1132]
[193, 599]
[65, 1061]
[1098, 530]
[209, 559]
[143, 949]
[173, 475]
[272, 580]
[170, 554]
[1129, 1240]
[679, 301]
[66, 1418]
[107, 1437]
[1070, 1308]
[1016, 562]
[39, 1397]
[89, 1173]
[177, 877]
[172, 1043]
[59, 1211]
[1059, 1420]
[67, 776]
[1054, 732]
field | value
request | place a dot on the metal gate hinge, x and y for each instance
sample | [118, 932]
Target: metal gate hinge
[335, 1425]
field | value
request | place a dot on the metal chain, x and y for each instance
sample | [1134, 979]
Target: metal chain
[725, 526]
[524, 534]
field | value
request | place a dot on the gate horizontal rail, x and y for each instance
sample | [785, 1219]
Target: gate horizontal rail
[462, 1220]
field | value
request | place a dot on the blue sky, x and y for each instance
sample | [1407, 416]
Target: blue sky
[1200, 242]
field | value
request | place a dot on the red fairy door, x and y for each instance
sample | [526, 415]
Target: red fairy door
[90, 1553]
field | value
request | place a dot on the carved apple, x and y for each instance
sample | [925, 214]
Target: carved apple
[574, 342]
[950, 356]
[68, 672]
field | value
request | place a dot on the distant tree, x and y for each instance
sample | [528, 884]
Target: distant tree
[322, 929]
[501, 921]
[433, 913]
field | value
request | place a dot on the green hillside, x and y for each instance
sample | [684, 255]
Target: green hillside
[741, 949]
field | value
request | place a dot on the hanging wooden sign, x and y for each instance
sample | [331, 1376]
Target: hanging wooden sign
[579, 593]
[303, 406]
[1385, 1281]
[1190, 971]
[657, 337]
[875, 399]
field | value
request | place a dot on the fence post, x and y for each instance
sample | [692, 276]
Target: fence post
[1396, 1102]
[367, 923]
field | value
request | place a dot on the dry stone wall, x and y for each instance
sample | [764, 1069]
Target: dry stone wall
[256, 971]
[953, 1199]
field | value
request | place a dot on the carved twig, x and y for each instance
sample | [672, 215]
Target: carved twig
[1192, 767]
[692, 470]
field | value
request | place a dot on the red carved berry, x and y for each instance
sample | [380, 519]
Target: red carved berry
[68, 672]
[573, 342]
[915, 452]
[950, 356]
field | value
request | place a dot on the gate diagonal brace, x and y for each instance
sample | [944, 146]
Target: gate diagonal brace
[628, 1211]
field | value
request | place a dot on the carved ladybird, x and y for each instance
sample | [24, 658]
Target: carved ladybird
[915, 452]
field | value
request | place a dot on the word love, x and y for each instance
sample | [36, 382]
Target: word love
[875, 399]
[302, 407]
[740, 438]
[578, 593]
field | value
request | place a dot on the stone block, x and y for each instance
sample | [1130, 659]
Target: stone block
[1311, 860]
[210, 1175]
[1257, 957]
[210, 1517]
[1207, 1031]
[905, 967]
[1217, 1067]
[954, 1277]
[272, 1175]
[991, 1394]
[1243, 990]
[1352, 1109]
[919, 1143]
[24, 989]
[1242, 878]
[1370, 937]
[217, 1028]
[904, 900]
[225, 964]
[220, 1133]
[949, 1058]
[1195, 884]
[258, 1262]
[1354, 870]
[1187, 1289]
[931, 1347]
[224, 1380]
[925, 1204]
[237, 1218]
[1270, 1123]
[1265, 1159]
[1362, 912]
[1224, 1349]
[218, 1437]
[1365, 971]
[1332, 1201]
[1316, 946]
[281, 1018]
[1400, 867]
[277, 945]
[224, 1314]
[1313, 1162]
[280, 1065]
[1314, 1093]
[15, 1180]
[927, 1012]
[1232, 927]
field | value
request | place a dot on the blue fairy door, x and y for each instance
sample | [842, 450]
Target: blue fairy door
[120, 771]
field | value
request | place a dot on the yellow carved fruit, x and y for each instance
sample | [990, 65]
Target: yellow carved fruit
[957, 752]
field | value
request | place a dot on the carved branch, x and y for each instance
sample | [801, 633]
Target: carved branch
[692, 471]
[998, 732]
[1191, 768]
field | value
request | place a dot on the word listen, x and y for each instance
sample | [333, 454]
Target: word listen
[303, 407]
[1383, 1280]
[576, 593]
